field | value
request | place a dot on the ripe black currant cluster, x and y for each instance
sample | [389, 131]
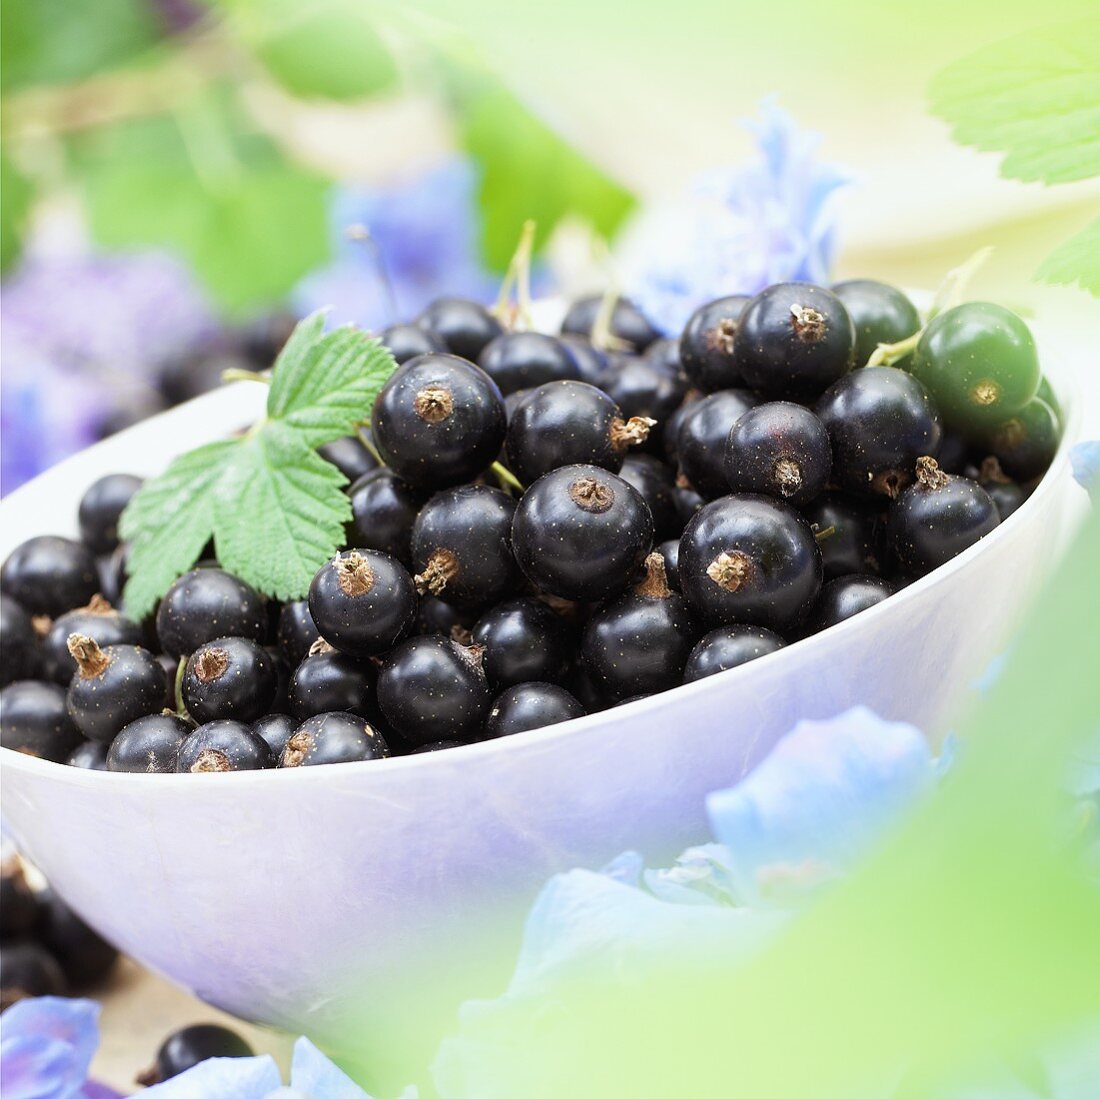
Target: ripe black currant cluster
[547, 526]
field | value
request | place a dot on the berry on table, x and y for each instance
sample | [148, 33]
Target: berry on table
[849, 533]
[27, 970]
[207, 603]
[383, 510]
[463, 327]
[330, 681]
[701, 439]
[523, 641]
[99, 621]
[708, 341]
[229, 678]
[112, 687]
[188, 1047]
[728, 647]
[845, 596]
[880, 313]
[1025, 444]
[100, 507]
[19, 655]
[49, 575]
[149, 745]
[34, 719]
[223, 745]
[333, 738]
[579, 532]
[523, 360]
[526, 706]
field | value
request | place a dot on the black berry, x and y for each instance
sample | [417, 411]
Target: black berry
[523, 360]
[27, 970]
[229, 678]
[406, 341]
[701, 439]
[275, 730]
[18, 903]
[524, 641]
[223, 746]
[333, 738]
[845, 596]
[49, 575]
[1006, 493]
[670, 551]
[708, 341]
[149, 745]
[296, 632]
[19, 654]
[190, 1046]
[34, 719]
[849, 533]
[207, 603]
[656, 485]
[644, 391]
[329, 681]
[591, 361]
[880, 314]
[112, 687]
[100, 622]
[664, 354]
[727, 647]
[349, 456]
[1025, 444]
[627, 322]
[527, 706]
[100, 507]
[84, 955]
[90, 755]
[435, 616]
[463, 327]
[383, 510]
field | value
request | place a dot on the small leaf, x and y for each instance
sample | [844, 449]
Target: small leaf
[1034, 97]
[279, 513]
[169, 521]
[1075, 261]
[323, 385]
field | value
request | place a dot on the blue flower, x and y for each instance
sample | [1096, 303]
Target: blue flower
[740, 228]
[1085, 460]
[46, 1049]
[422, 238]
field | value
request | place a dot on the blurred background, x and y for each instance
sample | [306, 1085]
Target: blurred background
[178, 176]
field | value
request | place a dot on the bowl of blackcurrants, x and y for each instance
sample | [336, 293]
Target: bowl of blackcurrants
[304, 810]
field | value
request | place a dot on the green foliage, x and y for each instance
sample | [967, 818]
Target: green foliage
[16, 195]
[275, 508]
[1076, 261]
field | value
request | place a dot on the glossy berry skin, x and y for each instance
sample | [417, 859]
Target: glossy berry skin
[702, 436]
[100, 507]
[566, 423]
[638, 643]
[333, 738]
[880, 420]
[430, 688]
[664, 354]
[35, 720]
[98, 621]
[188, 1047]
[406, 341]
[462, 546]
[670, 551]
[794, 340]
[1025, 444]
[207, 603]
[849, 533]
[90, 755]
[591, 361]
[230, 678]
[223, 745]
[688, 502]
[433, 616]
[149, 745]
[979, 362]
[627, 322]
[845, 596]
[580, 532]
[954, 453]
[275, 730]
[113, 687]
[707, 344]
[655, 483]
[640, 388]
[85, 956]
[524, 641]
[19, 654]
[936, 518]
[751, 560]
[463, 326]
[1007, 494]
[349, 456]
[331, 681]
[523, 360]
[363, 602]
[779, 449]
[526, 706]
[728, 647]
[438, 421]
[296, 632]
[49, 575]
[26, 970]
[383, 510]
[880, 312]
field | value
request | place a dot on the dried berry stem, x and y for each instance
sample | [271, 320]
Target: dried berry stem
[441, 569]
[632, 432]
[654, 584]
[91, 660]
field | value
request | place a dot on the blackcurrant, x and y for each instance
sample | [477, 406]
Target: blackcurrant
[779, 449]
[664, 354]
[206, 603]
[750, 559]
[430, 688]
[688, 502]
[657, 486]
[333, 738]
[523, 360]
[845, 596]
[1006, 493]
[936, 518]
[880, 312]
[296, 632]
[727, 647]
[707, 344]
[435, 616]
[954, 452]
[524, 641]
[34, 719]
[99, 621]
[275, 730]
[794, 340]
[638, 643]
[328, 681]
[49, 575]
[84, 955]
[670, 551]
[979, 362]
[644, 391]
[580, 532]
[229, 678]
[383, 510]
[880, 420]
[565, 423]
[671, 435]
[526, 706]
[27, 970]
[18, 903]
[702, 435]
[90, 755]
[100, 507]
[363, 602]
[190, 1046]
[591, 361]
[627, 322]
[438, 421]
[406, 341]
[1025, 444]
[19, 654]
[112, 686]
[223, 745]
[849, 533]
[149, 745]
[463, 326]
[349, 456]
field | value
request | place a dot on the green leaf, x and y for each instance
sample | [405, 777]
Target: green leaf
[1075, 261]
[323, 385]
[280, 513]
[16, 197]
[527, 171]
[1034, 97]
[168, 522]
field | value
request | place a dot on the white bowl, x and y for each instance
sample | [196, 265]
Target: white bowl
[360, 903]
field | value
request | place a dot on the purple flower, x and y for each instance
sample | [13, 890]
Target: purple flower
[1085, 460]
[740, 228]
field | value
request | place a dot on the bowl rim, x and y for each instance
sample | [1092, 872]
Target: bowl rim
[533, 740]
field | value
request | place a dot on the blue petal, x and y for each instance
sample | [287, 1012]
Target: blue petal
[47, 1045]
[818, 801]
[314, 1074]
[626, 868]
[1085, 460]
[224, 1077]
[701, 876]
